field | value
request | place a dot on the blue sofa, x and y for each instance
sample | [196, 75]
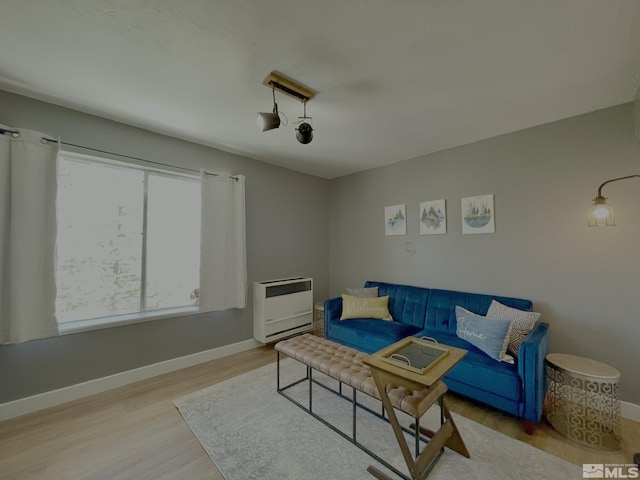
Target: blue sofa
[517, 388]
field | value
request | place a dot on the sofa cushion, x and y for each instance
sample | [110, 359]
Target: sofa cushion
[367, 335]
[359, 307]
[499, 378]
[407, 304]
[441, 315]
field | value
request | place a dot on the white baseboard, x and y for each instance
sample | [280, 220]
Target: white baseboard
[630, 411]
[40, 401]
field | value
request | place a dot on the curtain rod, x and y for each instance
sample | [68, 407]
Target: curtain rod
[16, 133]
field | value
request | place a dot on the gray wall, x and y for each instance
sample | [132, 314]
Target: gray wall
[277, 246]
[585, 281]
[637, 115]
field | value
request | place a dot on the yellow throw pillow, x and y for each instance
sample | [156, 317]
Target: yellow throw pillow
[357, 307]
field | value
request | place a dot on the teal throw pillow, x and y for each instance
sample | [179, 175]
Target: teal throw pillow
[489, 335]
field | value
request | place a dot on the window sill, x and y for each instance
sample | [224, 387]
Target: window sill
[120, 320]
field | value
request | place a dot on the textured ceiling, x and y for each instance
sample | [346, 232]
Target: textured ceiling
[395, 79]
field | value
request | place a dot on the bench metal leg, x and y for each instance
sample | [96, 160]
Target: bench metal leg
[310, 389]
[353, 439]
[355, 403]
[413, 430]
[417, 433]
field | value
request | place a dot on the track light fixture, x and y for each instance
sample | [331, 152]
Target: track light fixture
[269, 121]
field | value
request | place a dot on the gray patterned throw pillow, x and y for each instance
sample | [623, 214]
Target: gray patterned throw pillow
[522, 323]
[363, 292]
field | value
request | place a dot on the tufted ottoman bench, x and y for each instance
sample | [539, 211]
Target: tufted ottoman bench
[346, 365]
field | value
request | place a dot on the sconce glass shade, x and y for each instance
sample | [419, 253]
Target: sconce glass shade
[268, 121]
[601, 214]
[304, 133]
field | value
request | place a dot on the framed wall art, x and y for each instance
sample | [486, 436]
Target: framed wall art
[433, 217]
[395, 220]
[478, 215]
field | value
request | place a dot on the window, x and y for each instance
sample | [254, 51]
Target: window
[128, 240]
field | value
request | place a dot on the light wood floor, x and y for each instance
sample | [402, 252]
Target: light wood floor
[135, 432]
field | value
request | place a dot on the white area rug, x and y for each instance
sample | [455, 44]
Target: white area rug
[252, 432]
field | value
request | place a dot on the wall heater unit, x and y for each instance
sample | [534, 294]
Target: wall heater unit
[282, 308]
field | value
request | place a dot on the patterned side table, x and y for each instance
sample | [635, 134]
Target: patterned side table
[318, 319]
[582, 400]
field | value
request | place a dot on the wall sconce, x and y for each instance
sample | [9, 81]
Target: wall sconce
[601, 214]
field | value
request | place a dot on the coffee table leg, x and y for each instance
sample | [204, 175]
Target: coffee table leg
[448, 435]
[454, 442]
[377, 473]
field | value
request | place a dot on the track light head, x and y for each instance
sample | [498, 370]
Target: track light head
[304, 133]
[268, 121]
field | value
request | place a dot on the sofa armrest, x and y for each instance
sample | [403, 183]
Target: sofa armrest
[531, 369]
[332, 311]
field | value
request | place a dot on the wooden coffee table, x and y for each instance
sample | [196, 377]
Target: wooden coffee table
[385, 373]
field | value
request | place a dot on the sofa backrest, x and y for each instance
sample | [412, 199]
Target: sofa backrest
[441, 315]
[407, 304]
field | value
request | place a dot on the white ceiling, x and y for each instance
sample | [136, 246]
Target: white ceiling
[395, 79]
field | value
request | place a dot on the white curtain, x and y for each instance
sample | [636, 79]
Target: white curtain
[28, 184]
[223, 256]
